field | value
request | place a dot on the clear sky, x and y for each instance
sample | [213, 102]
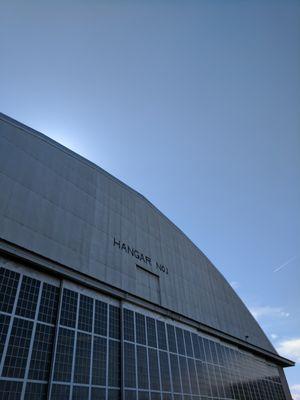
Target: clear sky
[195, 104]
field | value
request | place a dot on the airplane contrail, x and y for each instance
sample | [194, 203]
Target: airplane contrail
[285, 264]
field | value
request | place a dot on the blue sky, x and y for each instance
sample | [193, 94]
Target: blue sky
[195, 104]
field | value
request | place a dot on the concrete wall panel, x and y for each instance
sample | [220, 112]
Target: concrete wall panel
[56, 204]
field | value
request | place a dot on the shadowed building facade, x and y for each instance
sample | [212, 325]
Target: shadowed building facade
[103, 297]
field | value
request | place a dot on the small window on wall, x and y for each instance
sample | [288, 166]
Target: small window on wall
[147, 284]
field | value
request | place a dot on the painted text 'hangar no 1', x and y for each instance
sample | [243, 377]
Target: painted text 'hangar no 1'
[102, 297]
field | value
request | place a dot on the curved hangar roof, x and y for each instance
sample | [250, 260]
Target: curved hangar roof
[57, 204]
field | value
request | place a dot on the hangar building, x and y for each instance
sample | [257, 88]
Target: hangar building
[103, 297]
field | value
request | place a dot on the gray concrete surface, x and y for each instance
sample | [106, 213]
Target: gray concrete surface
[63, 207]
